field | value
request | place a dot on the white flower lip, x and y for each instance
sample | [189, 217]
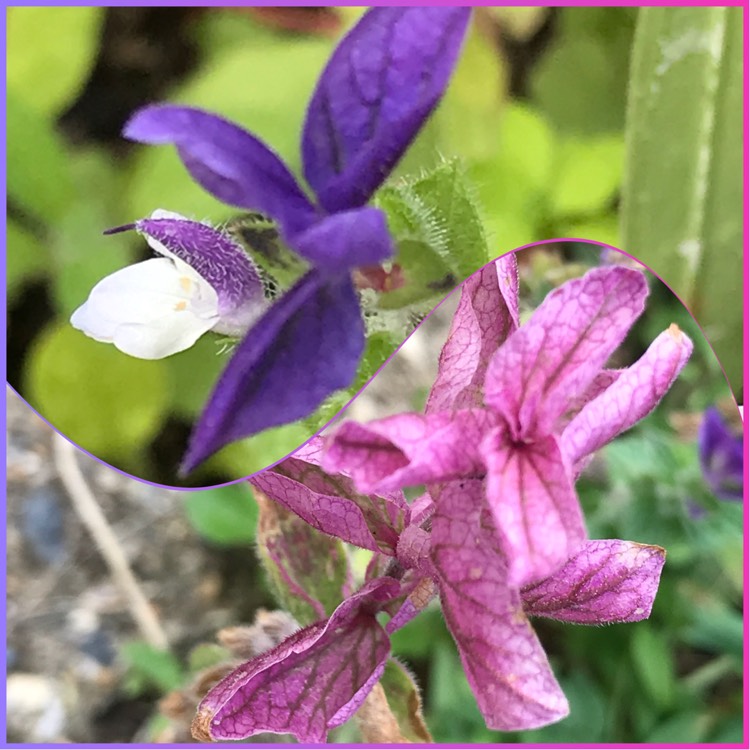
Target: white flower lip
[162, 306]
[149, 310]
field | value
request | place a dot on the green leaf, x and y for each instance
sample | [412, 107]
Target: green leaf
[32, 141]
[466, 120]
[436, 224]
[150, 668]
[307, 569]
[514, 183]
[604, 229]
[682, 198]
[224, 515]
[245, 457]
[653, 663]
[194, 373]
[50, 53]
[717, 629]
[27, 257]
[588, 715]
[580, 83]
[405, 701]
[81, 255]
[106, 402]
[684, 728]
[587, 175]
[206, 655]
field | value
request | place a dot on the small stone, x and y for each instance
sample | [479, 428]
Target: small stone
[43, 526]
[35, 710]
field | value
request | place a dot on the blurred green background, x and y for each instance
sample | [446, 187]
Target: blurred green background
[538, 112]
[674, 678]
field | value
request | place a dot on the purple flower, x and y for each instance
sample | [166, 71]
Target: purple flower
[382, 82]
[317, 678]
[523, 416]
[721, 456]
[203, 282]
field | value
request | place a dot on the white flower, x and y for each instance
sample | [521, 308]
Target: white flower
[162, 306]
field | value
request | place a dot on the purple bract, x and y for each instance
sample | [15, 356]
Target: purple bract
[382, 82]
[721, 456]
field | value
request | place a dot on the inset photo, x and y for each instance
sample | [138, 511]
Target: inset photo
[222, 221]
[527, 528]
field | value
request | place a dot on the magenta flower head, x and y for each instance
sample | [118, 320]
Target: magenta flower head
[721, 456]
[382, 82]
[524, 415]
[444, 543]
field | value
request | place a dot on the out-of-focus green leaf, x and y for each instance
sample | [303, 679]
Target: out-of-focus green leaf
[226, 28]
[587, 720]
[580, 83]
[264, 87]
[405, 701]
[106, 402]
[637, 456]
[307, 569]
[225, 515]
[468, 114]
[81, 255]
[205, 655]
[245, 457]
[652, 661]
[605, 229]
[682, 199]
[684, 728]
[194, 373]
[150, 668]
[717, 629]
[513, 183]
[731, 730]
[26, 257]
[39, 178]
[50, 52]
[454, 715]
[587, 174]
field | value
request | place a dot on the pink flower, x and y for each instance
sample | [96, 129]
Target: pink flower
[522, 407]
[499, 536]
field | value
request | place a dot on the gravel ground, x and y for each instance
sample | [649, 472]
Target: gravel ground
[67, 620]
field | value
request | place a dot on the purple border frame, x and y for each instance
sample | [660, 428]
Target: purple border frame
[746, 348]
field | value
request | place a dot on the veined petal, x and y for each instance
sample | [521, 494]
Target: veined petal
[217, 259]
[306, 346]
[502, 657]
[346, 240]
[537, 515]
[149, 310]
[380, 85]
[552, 359]
[630, 398]
[331, 505]
[226, 161]
[410, 449]
[607, 580]
[486, 315]
[313, 681]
